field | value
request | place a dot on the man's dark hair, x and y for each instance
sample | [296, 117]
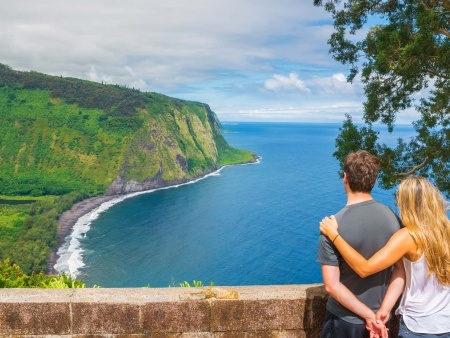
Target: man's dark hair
[361, 168]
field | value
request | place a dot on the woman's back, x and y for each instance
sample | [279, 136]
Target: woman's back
[425, 304]
[423, 212]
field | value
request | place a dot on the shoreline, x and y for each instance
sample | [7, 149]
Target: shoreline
[68, 219]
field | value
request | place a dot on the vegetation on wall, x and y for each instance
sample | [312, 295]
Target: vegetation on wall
[12, 276]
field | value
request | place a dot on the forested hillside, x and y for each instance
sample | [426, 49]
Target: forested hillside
[64, 139]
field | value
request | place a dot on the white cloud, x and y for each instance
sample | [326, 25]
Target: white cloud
[325, 86]
[171, 43]
[335, 84]
[92, 75]
[308, 113]
[289, 83]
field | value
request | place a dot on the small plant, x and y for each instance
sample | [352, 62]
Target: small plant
[62, 282]
[195, 284]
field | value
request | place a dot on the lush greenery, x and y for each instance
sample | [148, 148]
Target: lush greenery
[63, 140]
[405, 57]
[12, 276]
[28, 230]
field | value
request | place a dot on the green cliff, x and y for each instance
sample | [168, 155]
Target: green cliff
[60, 135]
[70, 137]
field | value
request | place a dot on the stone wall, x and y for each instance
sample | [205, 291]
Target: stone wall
[246, 311]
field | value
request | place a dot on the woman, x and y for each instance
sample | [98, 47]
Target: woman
[424, 246]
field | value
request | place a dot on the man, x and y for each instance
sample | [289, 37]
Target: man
[366, 225]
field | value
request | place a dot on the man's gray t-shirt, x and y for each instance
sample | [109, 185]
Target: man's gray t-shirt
[366, 226]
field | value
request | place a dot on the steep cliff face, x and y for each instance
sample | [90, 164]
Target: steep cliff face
[60, 135]
[169, 149]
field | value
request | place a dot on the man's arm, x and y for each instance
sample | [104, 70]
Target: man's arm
[344, 296]
[395, 289]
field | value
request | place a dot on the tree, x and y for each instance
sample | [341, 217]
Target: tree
[405, 57]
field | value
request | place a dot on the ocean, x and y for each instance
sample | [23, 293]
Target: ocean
[254, 224]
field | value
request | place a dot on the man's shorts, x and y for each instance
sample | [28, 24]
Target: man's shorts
[334, 327]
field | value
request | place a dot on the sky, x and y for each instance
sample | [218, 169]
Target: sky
[250, 60]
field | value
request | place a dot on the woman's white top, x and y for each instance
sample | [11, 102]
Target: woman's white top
[425, 303]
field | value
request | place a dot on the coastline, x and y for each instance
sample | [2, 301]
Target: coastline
[67, 221]
[69, 218]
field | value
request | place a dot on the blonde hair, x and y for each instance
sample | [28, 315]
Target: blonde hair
[423, 212]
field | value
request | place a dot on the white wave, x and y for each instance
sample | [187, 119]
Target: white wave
[70, 254]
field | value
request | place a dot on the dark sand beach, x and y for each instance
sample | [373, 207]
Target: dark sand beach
[68, 220]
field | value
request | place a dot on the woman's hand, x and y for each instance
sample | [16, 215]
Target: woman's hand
[382, 315]
[376, 329]
[329, 227]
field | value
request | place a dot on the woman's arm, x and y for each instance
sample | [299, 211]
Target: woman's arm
[395, 289]
[398, 245]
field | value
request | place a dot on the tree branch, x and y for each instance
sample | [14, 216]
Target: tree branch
[416, 168]
[428, 8]
[433, 72]
[444, 32]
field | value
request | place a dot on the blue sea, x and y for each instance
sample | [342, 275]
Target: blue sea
[254, 224]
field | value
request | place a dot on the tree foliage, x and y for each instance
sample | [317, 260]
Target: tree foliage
[405, 57]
